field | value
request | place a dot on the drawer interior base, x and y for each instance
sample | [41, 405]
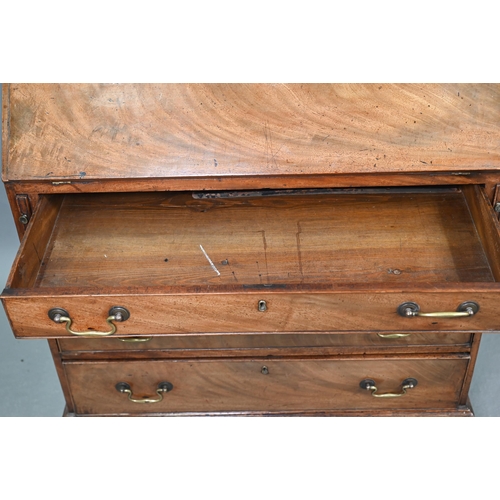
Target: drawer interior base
[158, 239]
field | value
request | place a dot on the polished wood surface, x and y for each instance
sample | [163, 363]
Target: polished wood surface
[240, 385]
[96, 131]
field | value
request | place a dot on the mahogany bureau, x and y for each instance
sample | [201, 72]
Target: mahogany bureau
[261, 249]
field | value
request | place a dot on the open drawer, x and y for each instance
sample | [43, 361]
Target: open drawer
[365, 260]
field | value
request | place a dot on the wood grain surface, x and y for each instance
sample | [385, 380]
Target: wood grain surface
[222, 385]
[109, 131]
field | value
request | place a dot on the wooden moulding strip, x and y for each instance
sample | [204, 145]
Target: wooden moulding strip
[462, 411]
[276, 353]
[54, 349]
[249, 182]
[408, 288]
[464, 394]
[5, 129]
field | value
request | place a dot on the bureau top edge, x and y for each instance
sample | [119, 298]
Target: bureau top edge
[90, 132]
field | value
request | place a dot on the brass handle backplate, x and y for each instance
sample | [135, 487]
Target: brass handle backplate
[126, 389]
[369, 385]
[411, 309]
[115, 314]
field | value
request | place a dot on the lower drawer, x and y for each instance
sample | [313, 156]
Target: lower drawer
[263, 385]
[267, 341]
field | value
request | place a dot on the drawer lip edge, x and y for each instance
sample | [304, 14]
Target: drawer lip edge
[437, 356]
[431, 412]
[409, 288]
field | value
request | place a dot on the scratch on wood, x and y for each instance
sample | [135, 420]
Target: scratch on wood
[270, 156]
[274, 155]
[210, 261]
[290, 90]
[299, 252]
[36, 251]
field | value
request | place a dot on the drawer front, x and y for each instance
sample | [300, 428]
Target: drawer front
[238, 312]
[263, 385]
[266, 341]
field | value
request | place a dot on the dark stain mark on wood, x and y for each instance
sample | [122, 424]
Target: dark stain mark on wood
[226, 262]
[264, 241]
[299, 252]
